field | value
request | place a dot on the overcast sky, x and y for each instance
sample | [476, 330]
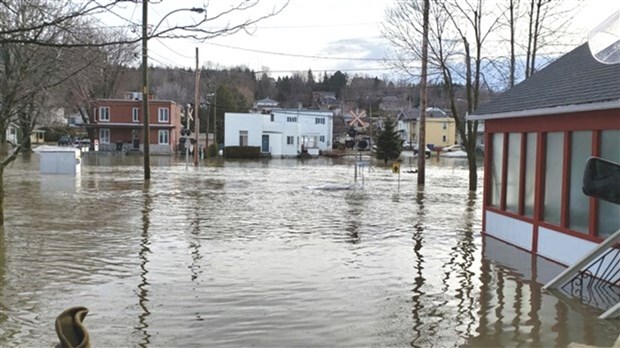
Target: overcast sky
[321, 29]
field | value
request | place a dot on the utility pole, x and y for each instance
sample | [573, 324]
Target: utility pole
[422, 140]
[197, 112]
[145, 93]
[215, 117]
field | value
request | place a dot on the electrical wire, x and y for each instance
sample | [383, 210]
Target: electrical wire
[300, 55]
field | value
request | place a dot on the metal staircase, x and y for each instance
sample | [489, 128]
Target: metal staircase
[595, 279]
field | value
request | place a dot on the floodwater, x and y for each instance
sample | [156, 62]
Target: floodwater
[244, 253]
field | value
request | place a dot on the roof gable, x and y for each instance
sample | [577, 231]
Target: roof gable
[575, 78]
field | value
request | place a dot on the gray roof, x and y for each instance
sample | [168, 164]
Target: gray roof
[414, 113]
[575, 78]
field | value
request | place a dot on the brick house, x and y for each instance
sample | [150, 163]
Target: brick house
[119, 124]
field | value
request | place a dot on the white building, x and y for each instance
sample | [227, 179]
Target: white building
[283, 132]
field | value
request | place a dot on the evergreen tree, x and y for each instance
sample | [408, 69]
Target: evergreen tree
[389, 143]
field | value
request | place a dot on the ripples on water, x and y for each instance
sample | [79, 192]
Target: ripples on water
[243, 253]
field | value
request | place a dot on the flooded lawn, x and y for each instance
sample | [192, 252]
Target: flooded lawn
[244, 253]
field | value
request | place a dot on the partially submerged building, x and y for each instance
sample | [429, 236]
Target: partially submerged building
[538, 136]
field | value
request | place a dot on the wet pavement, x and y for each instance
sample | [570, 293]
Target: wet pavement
[251, 253]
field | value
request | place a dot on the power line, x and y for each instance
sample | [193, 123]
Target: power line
[301, 55]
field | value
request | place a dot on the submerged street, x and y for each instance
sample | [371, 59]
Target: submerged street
[250, 253]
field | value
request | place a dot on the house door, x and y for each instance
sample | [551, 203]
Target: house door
[265, 147]
[135, 139]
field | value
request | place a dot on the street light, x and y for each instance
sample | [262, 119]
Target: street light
[145, 80]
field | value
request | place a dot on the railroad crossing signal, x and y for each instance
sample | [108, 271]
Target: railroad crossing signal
[357, 118]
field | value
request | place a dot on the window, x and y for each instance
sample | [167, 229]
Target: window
[322, 138]
[512, 176]
[104, 135]
[443, 138]
[272, 117]
[553, 177]
[445, 125]
[290, 140]
[163, 137]
[579, 203]
[163, 115]
[608, 212]
[530, 174]
[497, 156]
[291, 119]
[319, 120]
[243, 138]
[104, 113]
[135, 112]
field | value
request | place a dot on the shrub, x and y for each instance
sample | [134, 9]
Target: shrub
[242, 152]
[212, 150]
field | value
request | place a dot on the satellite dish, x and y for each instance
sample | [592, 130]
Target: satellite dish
[604, 40]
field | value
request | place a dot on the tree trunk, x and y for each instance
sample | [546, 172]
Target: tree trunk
[512, 43]
[535, 38]
[1, 195]
[528, 53]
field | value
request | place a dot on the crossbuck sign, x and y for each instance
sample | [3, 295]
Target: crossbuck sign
[357, 118]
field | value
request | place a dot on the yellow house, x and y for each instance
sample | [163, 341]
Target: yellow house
[440, 127]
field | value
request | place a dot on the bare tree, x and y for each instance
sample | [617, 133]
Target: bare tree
[50, 30]
[456, 38]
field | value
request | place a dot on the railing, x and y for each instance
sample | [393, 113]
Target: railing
[594, 279]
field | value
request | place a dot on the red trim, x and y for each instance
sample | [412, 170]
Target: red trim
[593, 218]
[511, 215]
[544, 224]
[570, 232]
[521, 203]
[487, 178]
[539, 186]
[590, 120]
[502, 197]
[564, 213]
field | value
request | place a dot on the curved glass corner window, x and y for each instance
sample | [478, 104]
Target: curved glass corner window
[608, 213]
[554, 162]
[579, 203]
[530, 174]
[513, 174]
[496, 168]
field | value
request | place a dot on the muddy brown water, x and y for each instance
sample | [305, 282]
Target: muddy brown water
[248, 253]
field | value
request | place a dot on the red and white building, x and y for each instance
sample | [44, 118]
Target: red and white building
[538, 136]
[120, 121]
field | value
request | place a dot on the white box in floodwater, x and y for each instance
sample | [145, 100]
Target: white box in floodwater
[59, 160]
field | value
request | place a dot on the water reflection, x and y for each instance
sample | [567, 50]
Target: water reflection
[243, 254]
[515, 309]
[419, 338]
[354, 201]
[143, 255]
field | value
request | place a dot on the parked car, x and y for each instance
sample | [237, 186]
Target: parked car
[64, 140]
[455, 147]
[81, 143]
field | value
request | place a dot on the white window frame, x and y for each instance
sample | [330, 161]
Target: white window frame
[321, 138]
[163, 137]
[104, 135]
[243, 135]
[290, 140]
[319, 120]
[135, 114]
[104, 114]
[163, 115]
